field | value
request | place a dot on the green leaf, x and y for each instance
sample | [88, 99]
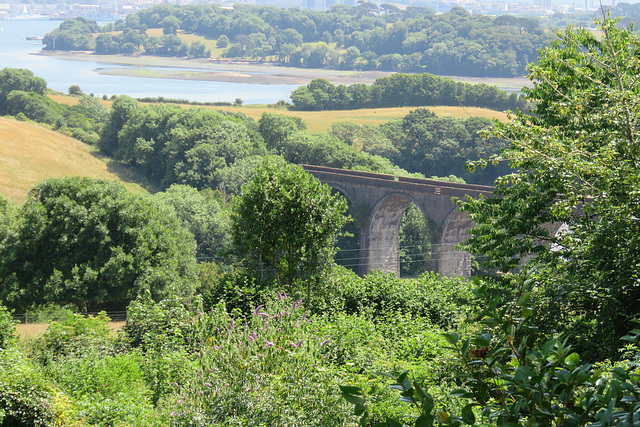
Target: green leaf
[350, 389]
[460, 392]
[468, 417]
[451, 338]
[483, 340]
[425, 420]
[572, 360]
[355, 400]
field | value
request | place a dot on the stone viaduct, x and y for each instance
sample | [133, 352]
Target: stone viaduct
[379, 202]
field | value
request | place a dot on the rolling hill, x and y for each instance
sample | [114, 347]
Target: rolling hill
[30, 153]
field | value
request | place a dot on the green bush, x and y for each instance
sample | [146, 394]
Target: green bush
[76, 335]
[26, 399]
[264, 369]
[444, 301]
[7, 328]
[107, 391]
[162, 326]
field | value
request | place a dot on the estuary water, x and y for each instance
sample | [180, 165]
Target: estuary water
[17, 52]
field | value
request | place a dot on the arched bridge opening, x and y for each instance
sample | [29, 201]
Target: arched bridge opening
[378, 202]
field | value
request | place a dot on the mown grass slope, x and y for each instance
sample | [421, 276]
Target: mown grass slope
[30, 153]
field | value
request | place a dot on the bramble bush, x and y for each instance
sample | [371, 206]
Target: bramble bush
[267, 367]
[7, 328]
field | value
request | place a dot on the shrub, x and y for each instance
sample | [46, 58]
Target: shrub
[107, 391]
[76, 335]
[265, 369]
[444, 301]
[75, 90]
[159, 326]
[25, 397]
[7, 328]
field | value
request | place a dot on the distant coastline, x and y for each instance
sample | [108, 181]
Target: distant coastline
[227, 71]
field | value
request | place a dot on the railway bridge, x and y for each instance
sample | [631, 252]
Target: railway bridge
[380, 201]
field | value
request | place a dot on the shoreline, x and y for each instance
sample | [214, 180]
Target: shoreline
[227, 71]
[215, 70]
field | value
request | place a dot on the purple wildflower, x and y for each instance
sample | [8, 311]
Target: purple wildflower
[324, 343]
[257, 310]
[263, 314]
[268, 343]
[293, 345]
[172, 414]
[207, 384]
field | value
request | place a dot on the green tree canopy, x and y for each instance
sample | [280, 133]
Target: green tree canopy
[18, 79]
[286, 223]
[577, 163]
[204, 217]
[93, 244]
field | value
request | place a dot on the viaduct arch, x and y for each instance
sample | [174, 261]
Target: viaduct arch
[380, 201]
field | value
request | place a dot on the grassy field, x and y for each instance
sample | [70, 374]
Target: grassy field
[321, 121]
[30, 331]
[30, 153]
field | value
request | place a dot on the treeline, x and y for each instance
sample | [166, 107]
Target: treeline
[362, 37]
[402, 90]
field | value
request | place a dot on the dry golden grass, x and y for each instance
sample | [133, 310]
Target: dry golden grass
[30, 331]
[321, 121]
[30, 153]
[71, 100]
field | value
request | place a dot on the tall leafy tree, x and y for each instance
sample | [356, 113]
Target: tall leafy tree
[18, 79]
[286, 223]
[93, 244]
[577, 163]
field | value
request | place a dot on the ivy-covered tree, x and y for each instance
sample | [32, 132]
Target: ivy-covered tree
[286, 223]
[93, 244]
[577, 163]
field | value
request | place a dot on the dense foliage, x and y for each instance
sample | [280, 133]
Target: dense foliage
[364, 37]
[492, 351]
[401, 90]
[93, 244]
[576, 165]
